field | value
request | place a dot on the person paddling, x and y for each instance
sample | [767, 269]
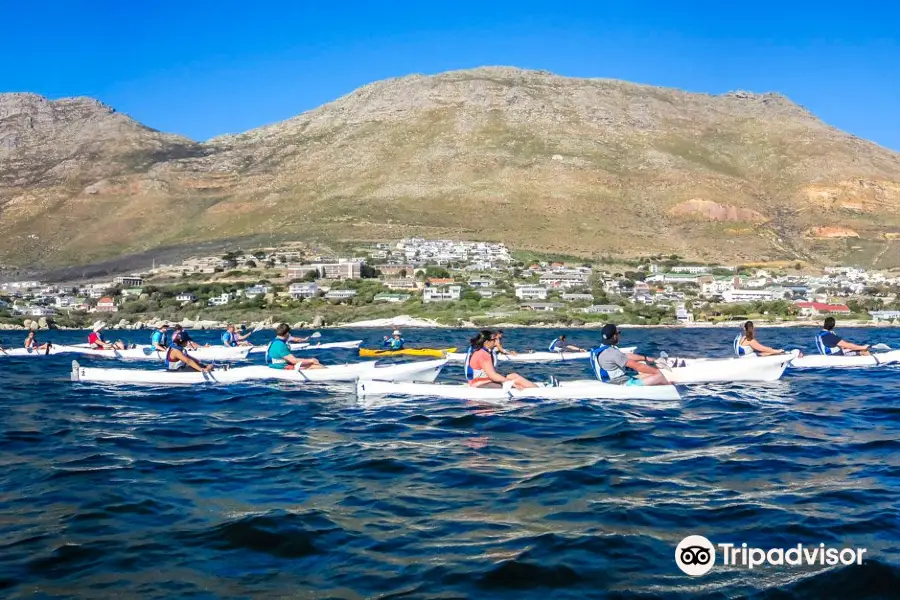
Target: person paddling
[395, 342]
[746, 344]
[610, 363]
[479, 365]
[278, 354]
[96, 341]
[828, 342]
[181, 338]
[31, 343]
[177, 358]
[232, 338]
[160, 338]
[561, 345]
[498, 346]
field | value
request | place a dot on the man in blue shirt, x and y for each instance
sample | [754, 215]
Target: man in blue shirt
[828, 342]
[160, 338]
[561, 345]
[278, 354]
[395, 342]
[232, 338]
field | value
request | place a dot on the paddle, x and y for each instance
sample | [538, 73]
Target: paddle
[315, 335]
[880, 347]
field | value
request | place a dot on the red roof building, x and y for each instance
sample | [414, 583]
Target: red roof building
[820, 308]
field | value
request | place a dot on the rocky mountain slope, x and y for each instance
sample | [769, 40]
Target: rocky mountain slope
[581, 166]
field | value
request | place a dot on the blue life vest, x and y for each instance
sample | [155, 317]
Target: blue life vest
[467, 368]
[230, 339]
[159, 338]
[602, 374]
[553, 345]
[822, 348]
[741, 350]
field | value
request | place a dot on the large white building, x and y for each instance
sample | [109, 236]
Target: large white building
[303, 290]
[735, 296]
[531, 292]
[442, 293]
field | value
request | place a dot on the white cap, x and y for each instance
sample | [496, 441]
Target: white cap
[396, 332]
[98, 326]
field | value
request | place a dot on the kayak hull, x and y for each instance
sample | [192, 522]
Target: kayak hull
[821, 361]
[536, 357]
[431, 352]
[305, 347]
[210, 353]
[567, 390]
[725, 370]
[426, 371]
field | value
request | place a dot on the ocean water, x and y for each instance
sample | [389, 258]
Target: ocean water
[279, 491]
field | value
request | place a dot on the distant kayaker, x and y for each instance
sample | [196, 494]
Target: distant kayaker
[828, 342]
[610, 363]
[177, 357]
[479, 365]
[498, 345]
[232, 338]
[561, 345]
[160, 338]
[278, 354]
[746, 343]
[395, 342]
[31, 343]
[181, 338]
[96, 341]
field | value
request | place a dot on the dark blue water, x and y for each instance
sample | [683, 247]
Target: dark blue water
[277, 491]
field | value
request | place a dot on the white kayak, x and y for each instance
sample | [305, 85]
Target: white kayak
[426, 371]
[535, 357]
[567, 390]
[724, 370]
[304, 346]
[204, 353]
[822, 361]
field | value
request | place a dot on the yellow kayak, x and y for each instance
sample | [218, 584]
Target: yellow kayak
[434, 352]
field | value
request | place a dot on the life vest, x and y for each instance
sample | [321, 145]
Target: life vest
[823, 349]
[173, 365]
[601, 373]
[159, 338]
[230, 339]
[473, 374]
[553, 345]
[740, 350]
[273, 361]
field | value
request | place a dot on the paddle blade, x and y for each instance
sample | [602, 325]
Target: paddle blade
[880, 347]
[315, 335]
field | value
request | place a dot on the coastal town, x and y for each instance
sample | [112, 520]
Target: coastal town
[456, 282]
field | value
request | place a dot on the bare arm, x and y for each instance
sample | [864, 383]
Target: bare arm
[641, 367]
[492, 374]
[763, 349]
[186, 359]
[640, 357]
[845, 345]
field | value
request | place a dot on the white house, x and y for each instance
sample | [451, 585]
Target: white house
[735, 296]
[481, 282]
[40, 311]
[340, 295]
[683, 315]
[186, 297]
[391, 298]
[531, 292]
[603, 309]
[129, 281]
[106, 304]
[303, 290]
[577, 297]
[692, 269]
[443, 293]
[220, 300]
[257, 290]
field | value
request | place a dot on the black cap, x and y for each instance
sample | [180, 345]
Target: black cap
[608, 331]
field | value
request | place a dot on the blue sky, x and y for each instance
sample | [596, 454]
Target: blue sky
[206, 68]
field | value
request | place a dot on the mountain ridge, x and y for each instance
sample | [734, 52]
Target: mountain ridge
[537, 160]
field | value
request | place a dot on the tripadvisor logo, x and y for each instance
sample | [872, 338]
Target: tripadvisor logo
[695, 555]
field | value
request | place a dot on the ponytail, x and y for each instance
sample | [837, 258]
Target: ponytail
[749, 330]
[482, 337]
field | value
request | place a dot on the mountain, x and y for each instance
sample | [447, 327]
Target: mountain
[576, 166]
